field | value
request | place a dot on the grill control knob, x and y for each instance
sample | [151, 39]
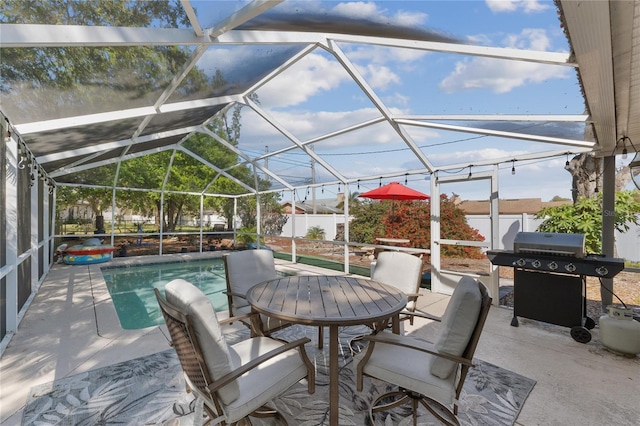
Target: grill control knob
[553, 266]
[536, 263]
[601, 270]
[570, 267]
[521, 262]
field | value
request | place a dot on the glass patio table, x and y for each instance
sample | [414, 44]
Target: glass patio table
[331, 301]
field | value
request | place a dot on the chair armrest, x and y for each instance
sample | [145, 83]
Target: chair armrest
[231, 293]
[421, 314]
[411, 344]
[237, 318]
[230, 377]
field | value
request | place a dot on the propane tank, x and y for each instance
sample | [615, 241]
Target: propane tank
[619, 332]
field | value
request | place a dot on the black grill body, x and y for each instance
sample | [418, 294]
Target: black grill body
[552, 288]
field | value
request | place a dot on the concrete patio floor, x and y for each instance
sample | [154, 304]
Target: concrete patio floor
[71, 327]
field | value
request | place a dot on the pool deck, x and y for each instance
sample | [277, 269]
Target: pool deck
[71, 327]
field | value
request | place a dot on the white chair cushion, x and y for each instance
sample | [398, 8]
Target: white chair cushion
[459, 320]
[192, 301]
[247, 268]
[401, 270]
[267, 381]
[408, 368]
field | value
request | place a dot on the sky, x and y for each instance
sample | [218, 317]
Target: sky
[316, 96]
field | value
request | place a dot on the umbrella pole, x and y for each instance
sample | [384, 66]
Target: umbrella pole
[393, 217]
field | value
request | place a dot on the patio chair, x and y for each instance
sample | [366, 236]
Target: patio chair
[243, 270]
[430, 374]
[232, 381]
[404, 272]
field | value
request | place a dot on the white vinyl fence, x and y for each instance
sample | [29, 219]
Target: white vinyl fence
[627, 244]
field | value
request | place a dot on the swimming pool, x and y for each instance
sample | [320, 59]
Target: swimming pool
[131, 288]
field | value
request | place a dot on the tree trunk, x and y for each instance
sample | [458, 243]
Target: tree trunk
[586, 172]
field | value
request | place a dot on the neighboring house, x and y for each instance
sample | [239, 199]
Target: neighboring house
[79, 212]
[322, 206]
[471, 207]
[210, 219]
[517, 206]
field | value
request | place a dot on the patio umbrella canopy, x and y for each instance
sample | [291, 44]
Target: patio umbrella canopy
[394, 191]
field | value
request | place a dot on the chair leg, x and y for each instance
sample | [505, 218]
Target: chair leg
[375, 407]
[449, 420]
[403, 396]
[266, 411]
[320, 337]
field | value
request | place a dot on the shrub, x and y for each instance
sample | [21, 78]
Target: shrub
[315, 233]
[412, 220]
[585, 217]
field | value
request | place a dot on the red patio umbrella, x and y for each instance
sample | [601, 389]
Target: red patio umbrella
[394, 191]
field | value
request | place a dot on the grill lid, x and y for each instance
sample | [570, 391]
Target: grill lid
[550, 243]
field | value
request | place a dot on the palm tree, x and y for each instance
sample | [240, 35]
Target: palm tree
[353, 200]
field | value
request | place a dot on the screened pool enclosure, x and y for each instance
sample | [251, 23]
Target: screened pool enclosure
[229, 106]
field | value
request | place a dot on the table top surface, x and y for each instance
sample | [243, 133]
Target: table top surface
[326, 300]
[394, 240]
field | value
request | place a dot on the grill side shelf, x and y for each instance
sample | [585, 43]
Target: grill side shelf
[596, 266]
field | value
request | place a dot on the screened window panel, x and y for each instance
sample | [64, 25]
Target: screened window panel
[72, 138]
[52, 83]
[232, 70]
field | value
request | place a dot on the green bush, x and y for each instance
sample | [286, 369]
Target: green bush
[315, 233]
[246, 236]
[585, 217]
[412, 220]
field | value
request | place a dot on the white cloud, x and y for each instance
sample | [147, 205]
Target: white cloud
[357, 9]
[371, 11]
[306, 124]
[396, 99]
[311, 75]
[380, 77]
[470, 156]
[502, 5]
[529, 38]
[500, 75]
[383, 55]
[527, 6]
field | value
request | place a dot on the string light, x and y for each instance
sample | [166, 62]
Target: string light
[469, 177]
[567, 166]
[634, 165]
[405, 178]
[513, 167]
[33, 174]
[624, 146]
[358, 184]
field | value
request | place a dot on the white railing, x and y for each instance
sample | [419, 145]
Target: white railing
[627, 243]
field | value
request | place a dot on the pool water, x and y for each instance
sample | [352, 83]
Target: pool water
[131, 288]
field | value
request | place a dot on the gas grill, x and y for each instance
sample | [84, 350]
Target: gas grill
[549, 285]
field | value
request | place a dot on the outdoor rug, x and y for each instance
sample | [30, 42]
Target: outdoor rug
[150, 391]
